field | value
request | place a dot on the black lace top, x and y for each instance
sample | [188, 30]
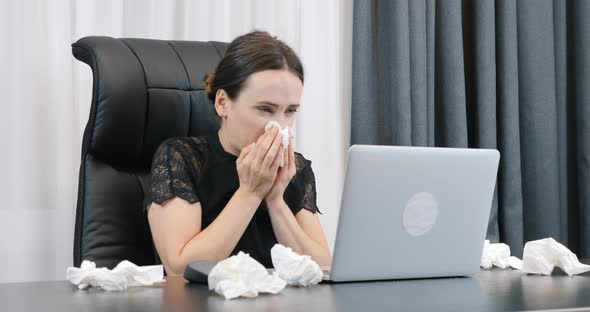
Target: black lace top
[198, 169]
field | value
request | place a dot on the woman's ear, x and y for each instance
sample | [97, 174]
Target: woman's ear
[221, 103]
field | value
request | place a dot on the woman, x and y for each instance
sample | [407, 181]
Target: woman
[213, 196]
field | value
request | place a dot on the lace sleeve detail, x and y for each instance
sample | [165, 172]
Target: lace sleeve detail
[171, 175]
[308, 200]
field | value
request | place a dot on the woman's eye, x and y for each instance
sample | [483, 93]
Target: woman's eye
[265, 109]
[269, 110]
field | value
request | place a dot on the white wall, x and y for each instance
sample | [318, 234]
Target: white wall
[46, 98]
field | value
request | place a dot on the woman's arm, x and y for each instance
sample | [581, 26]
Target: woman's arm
[176, 230]
[302, 232]
[176, 225]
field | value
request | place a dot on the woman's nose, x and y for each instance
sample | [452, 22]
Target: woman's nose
[282, 122]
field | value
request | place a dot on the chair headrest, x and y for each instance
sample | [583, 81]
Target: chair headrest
[144, 92]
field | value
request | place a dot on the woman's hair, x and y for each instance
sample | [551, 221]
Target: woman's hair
[247, 54]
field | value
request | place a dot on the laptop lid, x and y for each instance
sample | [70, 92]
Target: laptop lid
[413, 212]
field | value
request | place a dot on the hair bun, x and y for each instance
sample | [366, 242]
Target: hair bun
[208, 79]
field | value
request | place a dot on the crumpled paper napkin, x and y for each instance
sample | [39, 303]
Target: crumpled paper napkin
[498, 255]
[242, 276]
[285, 133]
[125, 274]
[295, 269]
[541, 256]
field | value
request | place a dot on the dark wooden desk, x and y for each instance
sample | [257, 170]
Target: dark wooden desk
[494, 290]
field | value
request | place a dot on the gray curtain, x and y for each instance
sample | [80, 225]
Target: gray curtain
[511, 75]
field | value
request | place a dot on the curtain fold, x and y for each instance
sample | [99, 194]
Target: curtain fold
[510, 75]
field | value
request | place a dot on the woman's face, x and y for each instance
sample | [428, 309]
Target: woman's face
[266, 95]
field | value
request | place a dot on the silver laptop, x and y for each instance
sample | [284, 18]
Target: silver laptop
[413, 212]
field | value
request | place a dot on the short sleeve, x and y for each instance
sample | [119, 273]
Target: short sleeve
[171, 175]
[308, 200]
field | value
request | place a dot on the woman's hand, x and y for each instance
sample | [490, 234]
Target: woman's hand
[258, 163]
[284, 176]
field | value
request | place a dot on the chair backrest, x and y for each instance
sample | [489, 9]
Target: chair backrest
[144, 92]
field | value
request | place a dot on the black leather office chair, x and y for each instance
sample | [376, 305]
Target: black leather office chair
[144, 92]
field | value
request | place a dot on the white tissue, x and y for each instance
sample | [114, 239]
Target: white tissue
[241, 275]
[541, 256]
[498, 255]
[285, 134]
[295, 269]
[125, 274]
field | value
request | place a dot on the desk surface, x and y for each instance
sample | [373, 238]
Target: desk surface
[492, 290]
